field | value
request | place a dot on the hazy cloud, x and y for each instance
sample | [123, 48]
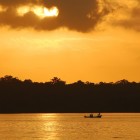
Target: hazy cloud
[133, 20]
[80, 15]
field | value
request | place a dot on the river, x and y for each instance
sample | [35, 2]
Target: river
[70, 126]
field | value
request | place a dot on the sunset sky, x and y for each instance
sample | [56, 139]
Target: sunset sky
[88, 40]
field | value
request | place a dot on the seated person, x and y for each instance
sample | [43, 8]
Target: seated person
[91, 115]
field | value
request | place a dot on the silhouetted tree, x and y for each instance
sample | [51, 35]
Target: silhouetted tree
[27, 96]
[57, 81]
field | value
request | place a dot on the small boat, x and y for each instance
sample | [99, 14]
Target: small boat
[91, 116]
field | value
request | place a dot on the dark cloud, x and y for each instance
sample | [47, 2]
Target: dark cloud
[14, 3]
[80, 15]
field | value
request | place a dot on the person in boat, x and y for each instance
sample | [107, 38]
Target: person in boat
[99, 114]
[91, 115]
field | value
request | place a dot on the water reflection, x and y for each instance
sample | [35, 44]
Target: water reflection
[50, 125]
[68, 126]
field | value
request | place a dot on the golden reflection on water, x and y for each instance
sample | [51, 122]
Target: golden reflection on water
[50, 126]
[69, 127]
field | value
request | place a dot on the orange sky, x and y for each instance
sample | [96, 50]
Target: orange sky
[105, 50]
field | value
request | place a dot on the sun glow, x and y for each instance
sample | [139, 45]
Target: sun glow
[23, 10]
[51, 12]
[2, 9]
[40, 11]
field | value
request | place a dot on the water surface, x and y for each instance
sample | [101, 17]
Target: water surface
[115, 126]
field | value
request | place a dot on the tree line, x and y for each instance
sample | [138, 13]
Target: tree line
[17, 96]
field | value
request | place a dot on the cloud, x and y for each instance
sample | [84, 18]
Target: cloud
[79, 15]
[14, 3]
[132, 17]
[134, 21]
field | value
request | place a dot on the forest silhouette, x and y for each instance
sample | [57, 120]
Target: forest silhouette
[55, 96]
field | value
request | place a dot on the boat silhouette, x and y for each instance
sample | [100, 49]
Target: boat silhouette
[92, 116]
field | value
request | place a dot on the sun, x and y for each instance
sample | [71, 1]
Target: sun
[39, 11]
[43, 12]
[51, 12]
